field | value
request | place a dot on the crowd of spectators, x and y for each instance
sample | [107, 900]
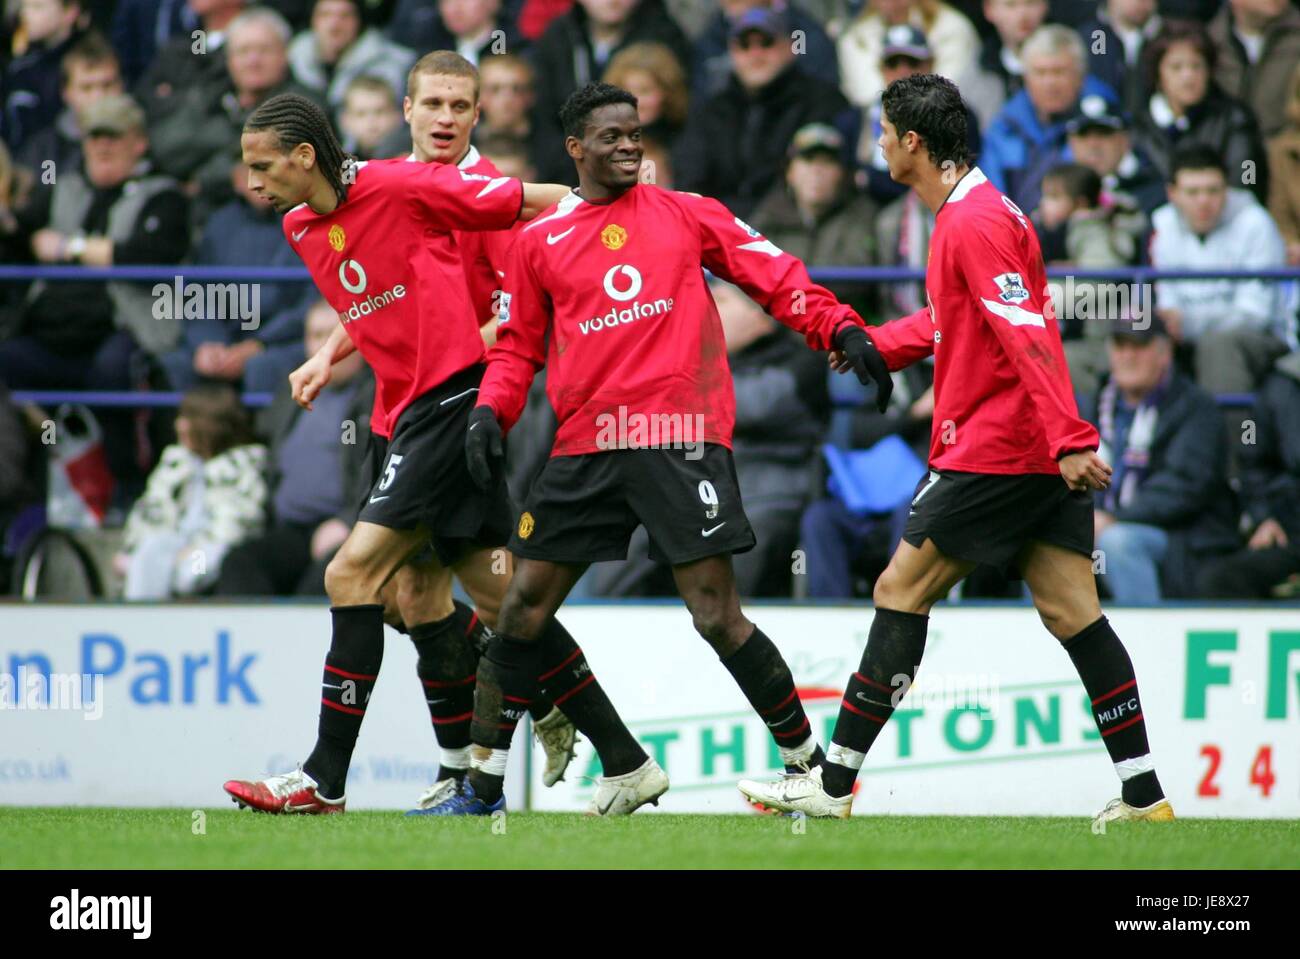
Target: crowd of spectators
[1135, 133]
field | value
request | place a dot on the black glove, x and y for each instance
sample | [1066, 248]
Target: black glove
[866, 361]
[483, 449]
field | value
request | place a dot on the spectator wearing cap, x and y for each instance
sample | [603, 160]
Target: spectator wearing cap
[1186, 105]
[1168, 509]
[817, 215]
[1237, 327]
[578, 46]
[30, 81]
[951, 37]
[1027, 137]
[339, 47]
[179, 69]
[1116, 39]
[906, 52]
[115, 211]
[192, 141]
[997, 74]
[1270, 495]
[1284, 175]
[712, 57]
[1258, 44]
[1104, 144]
[735, 145]
[89, 71]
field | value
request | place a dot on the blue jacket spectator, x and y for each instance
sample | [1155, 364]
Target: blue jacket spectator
[262, 351]
[1028, 137]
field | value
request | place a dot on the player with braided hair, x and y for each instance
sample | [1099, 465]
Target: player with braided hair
[378, 238]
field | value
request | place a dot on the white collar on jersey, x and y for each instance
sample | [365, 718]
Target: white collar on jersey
[973, 178]
[470, 158]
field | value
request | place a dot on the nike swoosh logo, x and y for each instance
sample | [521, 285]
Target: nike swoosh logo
[432, 702]
[710, 532]
[376, 499]
[552, 240]
[608, 805]
[300, 234]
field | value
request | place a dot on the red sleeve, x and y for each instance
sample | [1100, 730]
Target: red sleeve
[777, 281]
[519, 352]
[905, 341]
[451, 199]
[1010, 294]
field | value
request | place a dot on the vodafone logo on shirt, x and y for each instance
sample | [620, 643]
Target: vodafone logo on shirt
[352, 277]
[623, 283]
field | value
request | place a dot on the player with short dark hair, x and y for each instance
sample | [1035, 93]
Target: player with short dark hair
[612, 278]
[1010, 484]
[378, 240]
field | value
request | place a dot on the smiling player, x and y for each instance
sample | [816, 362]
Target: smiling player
[612, 282]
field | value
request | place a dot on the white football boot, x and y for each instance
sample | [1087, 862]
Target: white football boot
[1117, 810]
[557, 735]
[625, 794]
[798, 793]
[439, 792]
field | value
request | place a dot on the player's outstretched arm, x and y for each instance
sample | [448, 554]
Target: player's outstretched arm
[540, 196]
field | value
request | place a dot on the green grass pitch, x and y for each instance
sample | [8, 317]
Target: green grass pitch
[72, 838]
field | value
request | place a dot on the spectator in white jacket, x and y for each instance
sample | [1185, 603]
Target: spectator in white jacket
[339, 47]
[1237, 327]
[950, 36]
[207, 494]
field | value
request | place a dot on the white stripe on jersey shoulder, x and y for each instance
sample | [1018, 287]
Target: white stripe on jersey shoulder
[568, 203]
[973, 178]
[1014, 314]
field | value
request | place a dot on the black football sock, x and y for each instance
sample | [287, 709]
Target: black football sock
[351, 668]
[507, 683]
[446, 667]
[569, 682]
[763, 676]
[1107, 673]
[894, 649]
[471, 627]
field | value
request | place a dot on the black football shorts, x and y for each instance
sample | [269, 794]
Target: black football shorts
[584, 508]
[988, 518]
[420, 476]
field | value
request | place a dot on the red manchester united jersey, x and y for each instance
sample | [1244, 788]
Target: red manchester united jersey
[1003, 402]
[485, 252]
[388, 261]
[620, 289]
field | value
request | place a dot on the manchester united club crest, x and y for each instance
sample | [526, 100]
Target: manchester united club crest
[613, 236]
[337, 238]
[526, 525]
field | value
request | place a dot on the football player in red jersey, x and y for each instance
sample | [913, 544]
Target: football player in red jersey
[379, 240]
[1012, 465]
[442, 109]
[611, 281]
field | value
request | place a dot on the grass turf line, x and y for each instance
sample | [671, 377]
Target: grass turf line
[71, 838]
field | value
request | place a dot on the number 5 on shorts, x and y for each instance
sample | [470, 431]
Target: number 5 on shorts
[390, 472]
